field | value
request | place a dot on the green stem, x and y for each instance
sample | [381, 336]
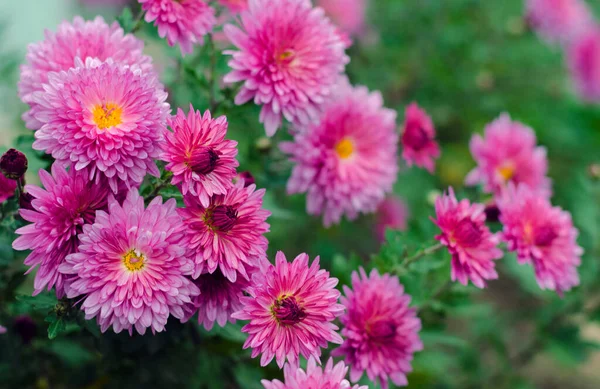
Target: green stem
[419, 254]
[138, 21]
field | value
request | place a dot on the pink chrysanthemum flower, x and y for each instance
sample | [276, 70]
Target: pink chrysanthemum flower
[472, 246]
[541, 235]
[7, 188]
[346, 163]
[291, 308]
[508, 153]
[67, 202]
[559, 20]
[202, 161]
[584, 63]
[290, 57]
[228, 234]
[219, 298]
[131, 266]
[392, 214]
[80, 39]
[104, 118]
[183, 22]
[235, 6]
[382, 332]
[315, 377]
[418, 139]
[348, 15]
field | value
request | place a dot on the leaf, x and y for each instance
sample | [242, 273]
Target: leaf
[41, 302]
[126, 20]
[56, 327]
[70, 352]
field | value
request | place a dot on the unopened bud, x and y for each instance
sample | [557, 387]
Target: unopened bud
[13, 164]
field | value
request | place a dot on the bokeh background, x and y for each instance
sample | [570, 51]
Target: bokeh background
[465, 62]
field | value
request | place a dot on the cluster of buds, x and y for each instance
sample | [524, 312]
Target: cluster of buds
[13, 165]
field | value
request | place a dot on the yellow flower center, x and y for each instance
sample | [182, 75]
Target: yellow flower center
[285, 55]
[107, 115]
[507, 171]
[344, 148]
[133, 260]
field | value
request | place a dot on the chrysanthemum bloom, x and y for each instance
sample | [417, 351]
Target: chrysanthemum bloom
[333, 377]
[104, 118]
[131, 266]
[349, 15]
[559, 21]
[80, 39]
[13, 164]
[235, 6]
[183, 22]
[584, 63]
[418, 139]
[541, 235]
[392, 214]
[290, 57]
[472, 246]
[228, 233]
[346, 163]
[508, 153]
[382, 332]
[291, 308]
[67, 202]
[202, 161]
[7, 188]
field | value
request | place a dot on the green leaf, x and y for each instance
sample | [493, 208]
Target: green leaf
[56, 327]
[126, 20]
[41, 302]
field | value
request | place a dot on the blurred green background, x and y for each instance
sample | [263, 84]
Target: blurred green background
[465, 62]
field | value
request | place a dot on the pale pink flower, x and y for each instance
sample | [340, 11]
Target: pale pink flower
[472, 246]
[79, 39]
[541, 235]
[201, 159]
[2, 330]
[348, 15]
[392, 214]
[315, 377]
[584, 64]
[59, 211]
[183, 22]
[289, 57]
[130, 271]
[347, 163]
[291, 308]
[381, 331]
[559, 21]
[418, 139]
[508, 153]
[104, 118]
[7, 188]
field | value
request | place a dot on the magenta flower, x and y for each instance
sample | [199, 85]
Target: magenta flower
[381, 331]
[291, 308]
[104, 118]
[508, 153]
[131, 266]
[7, 188]
[2, 330]
[235, 6]
[584, 63]
[202, 161]
[559, 20]
[183, 22]
[348, 15]
[290, 57]
[392, 214]
[472, 246]
[418, 139]
[228, 234]
[80, 39]
[541, 235]
[333, 377]
[346, 163]
[67, 202]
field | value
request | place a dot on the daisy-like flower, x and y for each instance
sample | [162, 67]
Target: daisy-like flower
[348, 15]
[391, 214]
[183, 22]
[68, 201]
[228, 234]
[131, 266]
[559, 21]
[332, 377]
[290, 57]
[381, 332]
[346, 163]
[508, 153]
[7, 188]
[235, 6]
[291, 309]
[418, 139]
[202, 161]
[541, 235]
[584, 63]
[472, 246]
[104, 118]
[79, 39]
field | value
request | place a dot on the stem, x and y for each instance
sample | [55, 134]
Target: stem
[419, 254]
[138, 21]
[162, 183]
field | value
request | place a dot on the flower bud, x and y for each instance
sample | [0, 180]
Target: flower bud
[247, 177]
[25, 201]
[13, 164]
